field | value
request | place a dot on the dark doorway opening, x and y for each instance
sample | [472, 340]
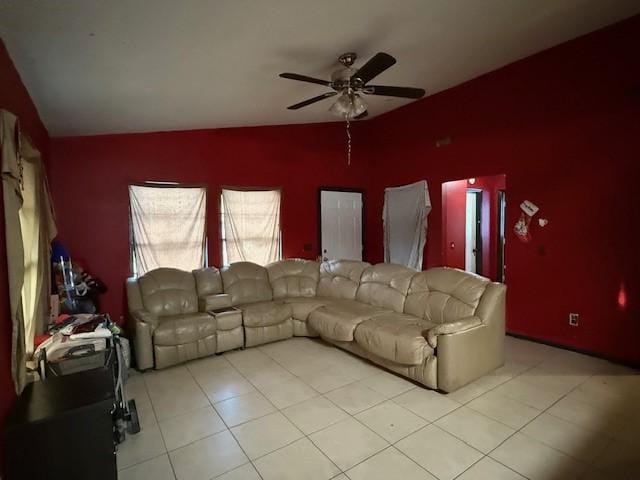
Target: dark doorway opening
[473, 225]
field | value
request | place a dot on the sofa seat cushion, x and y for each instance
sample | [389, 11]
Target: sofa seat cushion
[263, 314]
[396, 337]
[303, 306]
[338, 320]
[185, 328]
[228, 319]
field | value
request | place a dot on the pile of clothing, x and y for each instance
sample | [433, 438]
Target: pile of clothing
[77, 289]
[74, 336]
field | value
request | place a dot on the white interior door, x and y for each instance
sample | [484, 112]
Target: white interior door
[341, 225]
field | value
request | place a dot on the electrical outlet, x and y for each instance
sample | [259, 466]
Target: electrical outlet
[574, 319]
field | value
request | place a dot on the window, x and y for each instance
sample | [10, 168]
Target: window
[167, 227]
[250, 226]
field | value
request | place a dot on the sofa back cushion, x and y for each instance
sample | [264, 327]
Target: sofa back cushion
[168, 291]
[340, 278]
[246, 282]
[294, 278]
[208, 281]
[385, 285]
[444, 295]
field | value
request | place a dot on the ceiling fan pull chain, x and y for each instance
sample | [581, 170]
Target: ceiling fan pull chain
[348, 141]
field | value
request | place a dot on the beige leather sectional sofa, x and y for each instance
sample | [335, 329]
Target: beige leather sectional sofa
[442, 327]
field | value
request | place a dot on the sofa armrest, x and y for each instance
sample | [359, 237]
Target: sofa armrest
[144, 323]
[214, 302]
[466, 355]
[458, 326]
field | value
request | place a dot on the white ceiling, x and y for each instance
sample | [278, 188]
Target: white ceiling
[95, 66]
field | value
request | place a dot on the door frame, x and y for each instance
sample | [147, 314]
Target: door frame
[501, 225]
[319, 213]
[478, 260]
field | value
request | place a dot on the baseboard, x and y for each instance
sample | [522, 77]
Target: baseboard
[590, 353]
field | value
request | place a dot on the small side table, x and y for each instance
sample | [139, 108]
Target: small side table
[229, 330]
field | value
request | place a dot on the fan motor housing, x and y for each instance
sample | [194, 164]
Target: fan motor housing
[342, 75]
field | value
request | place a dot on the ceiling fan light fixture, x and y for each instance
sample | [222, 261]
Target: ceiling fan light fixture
[348, 106]
[347, 82]
[358, 105]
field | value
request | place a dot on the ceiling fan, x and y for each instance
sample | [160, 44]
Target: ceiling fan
[349, 82]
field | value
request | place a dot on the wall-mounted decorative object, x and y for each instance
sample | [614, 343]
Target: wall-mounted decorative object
[522, 226]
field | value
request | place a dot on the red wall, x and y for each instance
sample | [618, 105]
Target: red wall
[15, 98]
[564, 126]
[91, 174]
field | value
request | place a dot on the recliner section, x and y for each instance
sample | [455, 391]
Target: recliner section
[442, 327]
[337, 286]
[265, 320]
[295, 282]
[169, 328]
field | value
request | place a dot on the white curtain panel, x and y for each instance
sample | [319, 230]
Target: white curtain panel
[167, 227]
[251, 223]
[405, 223]
[12, 196]
[29, 228]
[38, 228]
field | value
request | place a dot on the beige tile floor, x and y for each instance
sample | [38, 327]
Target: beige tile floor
[301, 409]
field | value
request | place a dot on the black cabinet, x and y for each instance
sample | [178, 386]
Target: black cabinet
[63, 429]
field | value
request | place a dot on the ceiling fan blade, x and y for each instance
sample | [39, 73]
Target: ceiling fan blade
[374, 67]
[362, 115]
[403, 92]
[304, 78]
[312, 100]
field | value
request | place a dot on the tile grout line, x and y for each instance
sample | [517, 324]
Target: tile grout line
[353, 416]
[225, 424]
[515, 431]
[157, 423]
[566, 395]
[386, 399]
[308, 436]
[167, 452]
[534, 439]
[485, 455]
[252, 461]
[429, 422]
[276, 408]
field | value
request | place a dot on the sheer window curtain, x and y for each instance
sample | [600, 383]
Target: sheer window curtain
[250, 226]
[29, 228]
[405, 223]
[168, 227]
